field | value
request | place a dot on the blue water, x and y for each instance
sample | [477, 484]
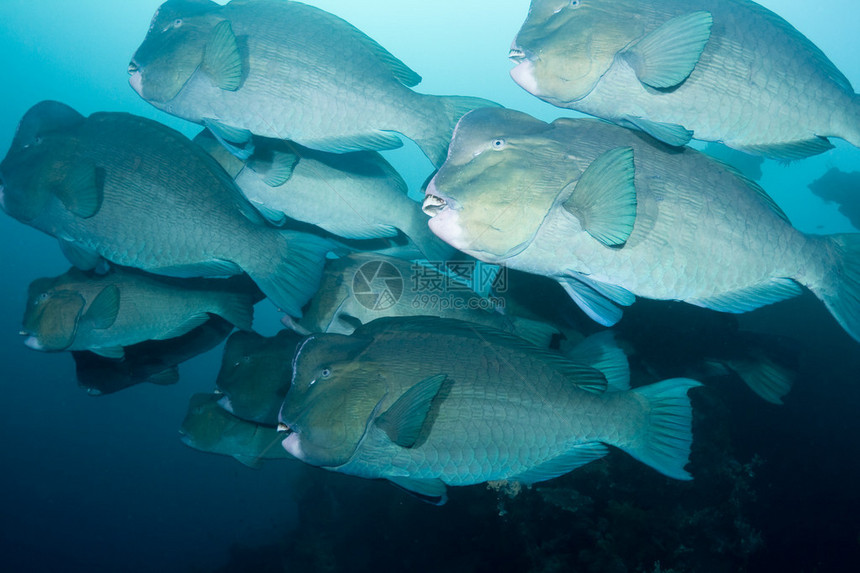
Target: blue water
[104, 484]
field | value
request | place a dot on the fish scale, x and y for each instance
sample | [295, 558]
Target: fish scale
[161, 203]
[504, 409]
[306, 75]
[758, 84]
[687, 227]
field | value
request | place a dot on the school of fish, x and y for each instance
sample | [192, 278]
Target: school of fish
[412, 349]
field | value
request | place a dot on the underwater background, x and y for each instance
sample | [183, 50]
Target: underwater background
[103, 483]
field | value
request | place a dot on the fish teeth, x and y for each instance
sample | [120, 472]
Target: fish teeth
[433, 204]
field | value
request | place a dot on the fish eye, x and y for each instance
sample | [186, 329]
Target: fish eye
[43, 296]
[177, 23]
[36, 141]
[498, 144]
[325, 373]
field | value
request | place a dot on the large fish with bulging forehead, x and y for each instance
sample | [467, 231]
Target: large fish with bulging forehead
[289, 71]
[132, 191]
[105, 313]
[717, 70]
[208, 427]
[354, 195]
[255, 374]
[612, 214]
[362, 287]
[153, 361]
[389, 402]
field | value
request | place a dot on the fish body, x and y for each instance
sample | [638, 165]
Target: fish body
[356, 195]
[287, 70]
[153, 361]
[361, 287]
[210, 428]
[390, 402]
[611, 215]
[104, 313]
[132, 191]
[255, 374]
[716, 70]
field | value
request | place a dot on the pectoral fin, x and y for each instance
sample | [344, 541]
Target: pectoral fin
[405, 418]
[276, 172]
[82, 190]
[666, 57]
[104, 309]
[604, 198]
[221, 59]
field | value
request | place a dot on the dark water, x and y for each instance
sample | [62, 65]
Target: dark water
[104, 484]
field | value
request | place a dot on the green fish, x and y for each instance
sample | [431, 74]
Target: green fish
[255, 374]
[287, 70]
[612, 214]
[715, 70]
[427, 402]
[210, 428]
[132, 191]
[152, 361]
[362, 287]
[355, 195]
[104, 313]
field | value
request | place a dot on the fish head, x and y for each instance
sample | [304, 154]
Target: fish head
[564, 47]
[39, 159]
[239, 361]
[333, 397]
[172, 49]
[51, 316]
[206, 424]
[491, 195]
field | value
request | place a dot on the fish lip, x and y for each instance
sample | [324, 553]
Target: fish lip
[433, 205]
[133, 67]
[285, 428]
[435, 202]
[517, 55]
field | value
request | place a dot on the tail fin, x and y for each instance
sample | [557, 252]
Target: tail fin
[237, 309]
[438, 131]
[840, 291]
[664, 442]
[291, 276]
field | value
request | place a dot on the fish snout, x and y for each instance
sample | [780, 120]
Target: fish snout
[435, 202]
[433, 205]
[136, 79]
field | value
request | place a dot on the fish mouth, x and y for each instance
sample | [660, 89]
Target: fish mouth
[136, 79]
[516, 55]
[435, 202]
[433, 205]
[285, 428]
